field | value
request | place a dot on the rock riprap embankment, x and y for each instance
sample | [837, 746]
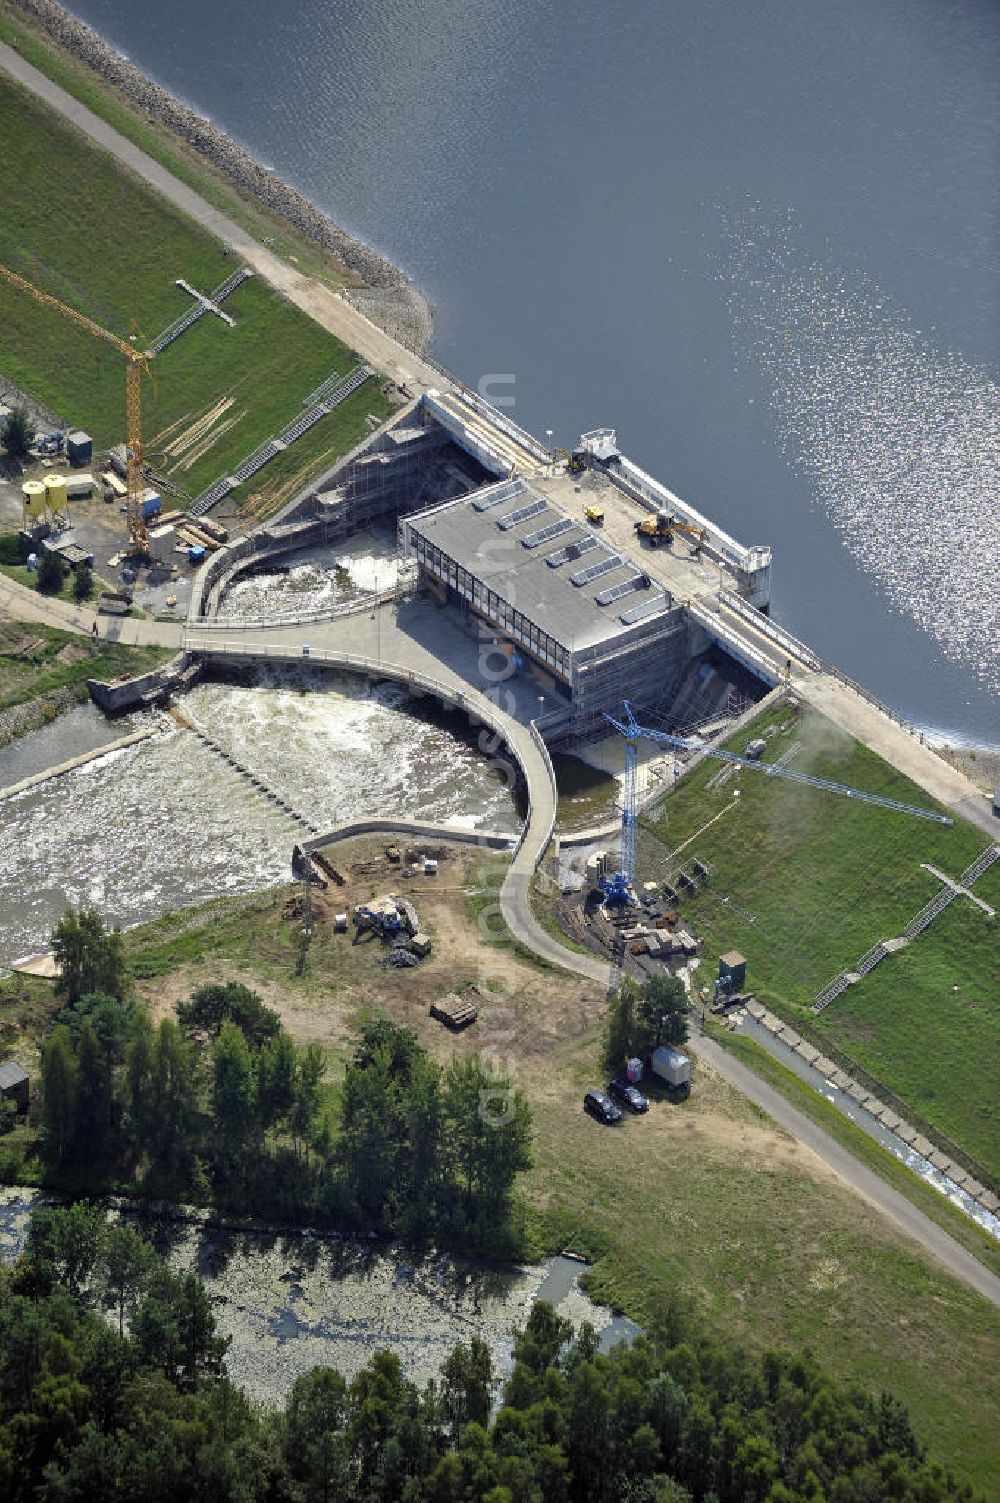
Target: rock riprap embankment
[387, 297]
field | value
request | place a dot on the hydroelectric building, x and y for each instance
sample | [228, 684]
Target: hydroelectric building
[542, 555]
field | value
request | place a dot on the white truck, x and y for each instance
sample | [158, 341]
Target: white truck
[673, 1069]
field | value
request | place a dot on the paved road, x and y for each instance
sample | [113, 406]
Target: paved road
[318, 301]
[21, 604]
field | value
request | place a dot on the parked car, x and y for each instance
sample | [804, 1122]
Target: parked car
[625, 1092]
[601, 1107]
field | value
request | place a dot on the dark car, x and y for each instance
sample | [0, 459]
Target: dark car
[601, 1107]
[625, 1092]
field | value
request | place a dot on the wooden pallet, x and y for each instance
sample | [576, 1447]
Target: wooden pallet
[455, 1010]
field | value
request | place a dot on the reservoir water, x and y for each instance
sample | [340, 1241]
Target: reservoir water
[761, 239]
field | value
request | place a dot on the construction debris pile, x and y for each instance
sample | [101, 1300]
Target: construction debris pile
[394, 920]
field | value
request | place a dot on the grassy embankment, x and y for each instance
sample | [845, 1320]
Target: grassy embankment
[90, 234]
[20, 32]
[58, 658]
[804, 882]
[703, 1205]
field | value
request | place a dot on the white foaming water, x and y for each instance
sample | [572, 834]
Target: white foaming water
[317, 578]
[166, 823]
[900, 440]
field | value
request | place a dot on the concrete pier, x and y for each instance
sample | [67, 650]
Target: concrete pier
[81, 761]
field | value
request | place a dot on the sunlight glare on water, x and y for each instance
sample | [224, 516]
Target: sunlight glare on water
[899, 439]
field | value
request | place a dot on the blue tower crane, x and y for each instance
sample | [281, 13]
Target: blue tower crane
[617, 886]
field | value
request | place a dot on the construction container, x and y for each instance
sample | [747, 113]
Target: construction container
[340, 923]
[593, 870]
[79, 487]
[151, 505]
[733, 968]
[430, 866]
[79, 447]
[55, 492]
[33, 499]
[672, 1068]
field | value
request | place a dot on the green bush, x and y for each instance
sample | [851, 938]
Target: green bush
[51, 573]
[11, 549]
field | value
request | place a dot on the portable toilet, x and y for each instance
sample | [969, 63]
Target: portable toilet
[33, 500]
[79, 447]
[996, 803]
[633, 1071]
[55, 492]
[733, 968]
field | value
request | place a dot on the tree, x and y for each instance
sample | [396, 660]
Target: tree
[58, 1092]
[67, 1245]
[83, 582]
[276, 1072]
[173, 1108]
[128, 1260]
[212, 1006]
[93, 1097]
[305, 1107]
[51, 573]
[467, 1387]
[663, 1008]
[90, 957]
[623, 1034]
[234, 1093]
[314, 1443]
[18, 433]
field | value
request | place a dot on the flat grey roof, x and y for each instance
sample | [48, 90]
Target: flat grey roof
[500, 544]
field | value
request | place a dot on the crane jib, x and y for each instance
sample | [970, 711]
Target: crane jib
[632, 730]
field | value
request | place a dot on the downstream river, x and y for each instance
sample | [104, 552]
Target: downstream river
[761, 239]
[292, 1300]
[167, 823]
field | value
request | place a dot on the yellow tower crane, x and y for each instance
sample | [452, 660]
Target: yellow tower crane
[136, 361]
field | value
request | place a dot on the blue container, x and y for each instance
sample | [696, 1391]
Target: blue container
[151, 507]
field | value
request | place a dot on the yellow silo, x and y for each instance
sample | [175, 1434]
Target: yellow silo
[55, 492]
[33, 500]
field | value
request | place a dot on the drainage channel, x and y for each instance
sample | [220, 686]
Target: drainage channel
[868, 1124]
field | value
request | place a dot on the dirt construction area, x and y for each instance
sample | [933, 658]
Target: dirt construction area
[540, 1024]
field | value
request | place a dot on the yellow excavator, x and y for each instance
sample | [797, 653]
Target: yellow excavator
[661, 526]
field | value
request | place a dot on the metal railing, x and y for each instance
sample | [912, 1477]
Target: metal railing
[769, 628]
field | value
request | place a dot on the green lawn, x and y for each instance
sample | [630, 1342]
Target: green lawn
[804, 882]
[702, 1207]
[18, 31]
[88, 233]
[42, 671]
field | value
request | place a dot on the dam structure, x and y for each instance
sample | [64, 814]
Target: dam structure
[533, 558]
[532, 599]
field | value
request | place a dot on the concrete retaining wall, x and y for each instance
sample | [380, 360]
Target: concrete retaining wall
[81, 761]
[417, 828]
